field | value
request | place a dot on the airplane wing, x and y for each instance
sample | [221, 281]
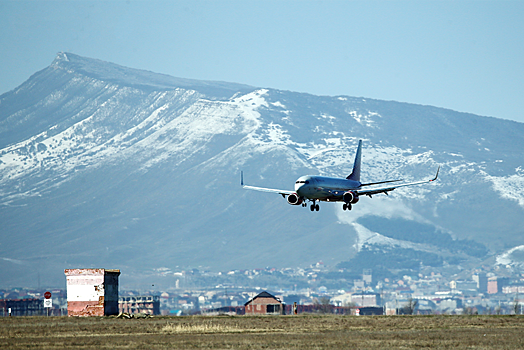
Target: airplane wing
[262, 189]
[385, 190]
[284, 193]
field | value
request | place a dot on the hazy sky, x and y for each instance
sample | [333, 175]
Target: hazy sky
[463, 55]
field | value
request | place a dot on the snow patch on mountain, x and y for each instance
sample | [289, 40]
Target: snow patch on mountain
[510, 187]
[379, 205]
[280, 105]
[277, 135]
[160, 129]
[513, 256]
[252, 100]
[85, 142]
[365, 120]
[382, 207]
[366, 237]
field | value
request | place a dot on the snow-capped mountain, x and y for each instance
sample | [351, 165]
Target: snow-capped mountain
[107, 166]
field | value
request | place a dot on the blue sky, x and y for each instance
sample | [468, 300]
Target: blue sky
[462, 55]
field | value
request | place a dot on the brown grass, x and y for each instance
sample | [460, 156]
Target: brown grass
[279, 332]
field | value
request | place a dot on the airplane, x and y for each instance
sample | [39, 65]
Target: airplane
[315, 188]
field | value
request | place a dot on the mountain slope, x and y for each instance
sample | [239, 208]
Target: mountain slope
[102, 165]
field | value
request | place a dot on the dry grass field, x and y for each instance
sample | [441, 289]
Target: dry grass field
[246, 332]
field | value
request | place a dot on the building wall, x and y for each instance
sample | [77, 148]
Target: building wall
[492, 286]
[482, 282]
[92, 292]
[264, 306]
[111, 293]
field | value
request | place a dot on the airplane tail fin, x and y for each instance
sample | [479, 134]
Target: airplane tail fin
[355, 175]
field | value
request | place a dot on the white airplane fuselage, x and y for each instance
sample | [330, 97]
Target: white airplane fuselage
[322, 188]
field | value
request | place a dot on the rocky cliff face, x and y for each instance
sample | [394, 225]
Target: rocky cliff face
[107, 166]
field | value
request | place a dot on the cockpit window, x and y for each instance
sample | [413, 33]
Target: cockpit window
[306, 182]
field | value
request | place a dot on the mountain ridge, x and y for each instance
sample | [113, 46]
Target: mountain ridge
[131, 77]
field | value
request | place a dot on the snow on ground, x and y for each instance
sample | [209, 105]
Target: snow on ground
[368, 237]
[506, 257]
[509, 187]
[379, 205]
[88, 139]
[279, 105]
[252, 100]
[329, 118]
[365, 120]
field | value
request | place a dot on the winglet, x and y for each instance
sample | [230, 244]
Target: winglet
[355, 175]
[241, 178]
[436, 175]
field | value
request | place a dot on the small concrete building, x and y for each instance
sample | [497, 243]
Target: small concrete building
[92, 292]
[264, 304]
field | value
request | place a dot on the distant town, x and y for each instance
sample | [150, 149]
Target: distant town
[316, 289]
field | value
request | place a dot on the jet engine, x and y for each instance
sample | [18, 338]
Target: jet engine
[294, 199]
[350, 197]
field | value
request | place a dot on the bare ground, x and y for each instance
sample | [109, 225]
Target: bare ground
[250, 332]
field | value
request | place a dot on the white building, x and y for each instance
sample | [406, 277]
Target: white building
[92, 292]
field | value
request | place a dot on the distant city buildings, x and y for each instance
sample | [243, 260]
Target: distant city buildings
[315, 289]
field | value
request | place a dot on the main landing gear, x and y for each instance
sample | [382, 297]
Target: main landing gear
[346, 206]
[314, 207]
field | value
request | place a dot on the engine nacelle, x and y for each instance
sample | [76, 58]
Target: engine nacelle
[350, 197]
[294, 199]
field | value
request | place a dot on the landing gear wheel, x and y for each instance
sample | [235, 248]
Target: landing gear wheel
[344, 206]
[312, 207]
[317, 207]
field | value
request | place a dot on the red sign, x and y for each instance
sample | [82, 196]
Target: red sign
[47, 295]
